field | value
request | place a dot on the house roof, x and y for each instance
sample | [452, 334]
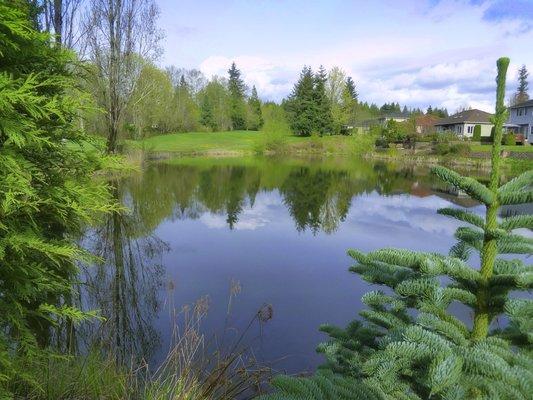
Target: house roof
[528, 103]
[426, 120]
[474, 116]
[394, 115]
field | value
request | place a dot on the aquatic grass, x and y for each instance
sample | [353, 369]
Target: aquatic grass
[197, 367]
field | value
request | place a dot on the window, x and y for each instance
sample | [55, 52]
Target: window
[470, 129]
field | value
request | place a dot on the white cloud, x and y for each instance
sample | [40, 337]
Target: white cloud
[250, 218]
[439, 53]
[414, 212]
[272, 80]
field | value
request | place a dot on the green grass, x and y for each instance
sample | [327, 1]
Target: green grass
[487, 148]
[200, 142]
[248, 142]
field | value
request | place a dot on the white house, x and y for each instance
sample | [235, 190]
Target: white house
[521, 120]
[464, 122]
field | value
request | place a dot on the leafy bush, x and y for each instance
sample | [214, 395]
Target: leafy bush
[477, 133]
[443, 137]
[382, 142]
[394, 132]
[509, 139]
[460, 149]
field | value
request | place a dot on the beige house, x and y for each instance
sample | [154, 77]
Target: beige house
[464, 122]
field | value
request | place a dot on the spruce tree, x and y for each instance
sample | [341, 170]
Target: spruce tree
[323, 120]
[350, 87]
[410, 345]
[301, 107]
[47, 195]
[237, 89]
[521, 92]
[207, 117]
[255, 121]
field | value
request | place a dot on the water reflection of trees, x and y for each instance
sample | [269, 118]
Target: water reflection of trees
[124, 287]
[318, 197]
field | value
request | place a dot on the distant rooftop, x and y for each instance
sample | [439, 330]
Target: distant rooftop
[528, 103]
[473, 116]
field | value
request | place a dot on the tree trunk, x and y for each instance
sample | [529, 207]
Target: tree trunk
[58, 21]
[490, 250]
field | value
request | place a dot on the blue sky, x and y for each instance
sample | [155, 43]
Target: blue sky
[416, 52]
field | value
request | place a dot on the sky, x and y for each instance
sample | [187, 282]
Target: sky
[416, 52]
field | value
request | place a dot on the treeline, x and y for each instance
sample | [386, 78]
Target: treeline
[184, 100]
[326, 103]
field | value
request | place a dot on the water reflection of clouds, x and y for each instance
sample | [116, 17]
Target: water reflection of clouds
[414, 212]
[263, 211]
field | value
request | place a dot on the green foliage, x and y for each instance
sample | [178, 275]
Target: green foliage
[301, 107]
[236, 89]
[410, 344]
[206, 114]
[215, 111]
[255, 119]
[394, 132]
[509, 139]
[522, 94]
[46, 194]
[457, 149]
[477, 133]
[308, 107]
[323, 120]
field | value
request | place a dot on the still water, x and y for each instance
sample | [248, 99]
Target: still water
[276, 230]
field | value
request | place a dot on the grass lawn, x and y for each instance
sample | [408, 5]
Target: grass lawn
[191, 142]
[236, 142]
[487, 147]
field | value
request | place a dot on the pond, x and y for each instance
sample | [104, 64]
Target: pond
[263, 232]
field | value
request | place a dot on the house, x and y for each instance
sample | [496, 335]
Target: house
[425, 124]
[463, 123]
[364, 126]
[395, 117]
[521, 121]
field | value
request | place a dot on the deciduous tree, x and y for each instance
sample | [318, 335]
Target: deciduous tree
[121, 36]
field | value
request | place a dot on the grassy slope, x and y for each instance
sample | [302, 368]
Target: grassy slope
[236, 141]
[203, 141]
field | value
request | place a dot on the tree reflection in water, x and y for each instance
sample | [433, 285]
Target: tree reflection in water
[124, 286]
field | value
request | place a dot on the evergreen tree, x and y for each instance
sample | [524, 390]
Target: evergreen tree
[236, 88]
[47, 195]
[323, 120]
[255, 120]
[411, 345]
[521, 92]
[186, 113]
[350, 87]
[207, 117]
[301, 107]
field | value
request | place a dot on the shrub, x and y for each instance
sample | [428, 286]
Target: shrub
[443, 137]
[461, 149]
[477, 133]
[394, 132]
[509, 139]
[442, 149]
[382, 142]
